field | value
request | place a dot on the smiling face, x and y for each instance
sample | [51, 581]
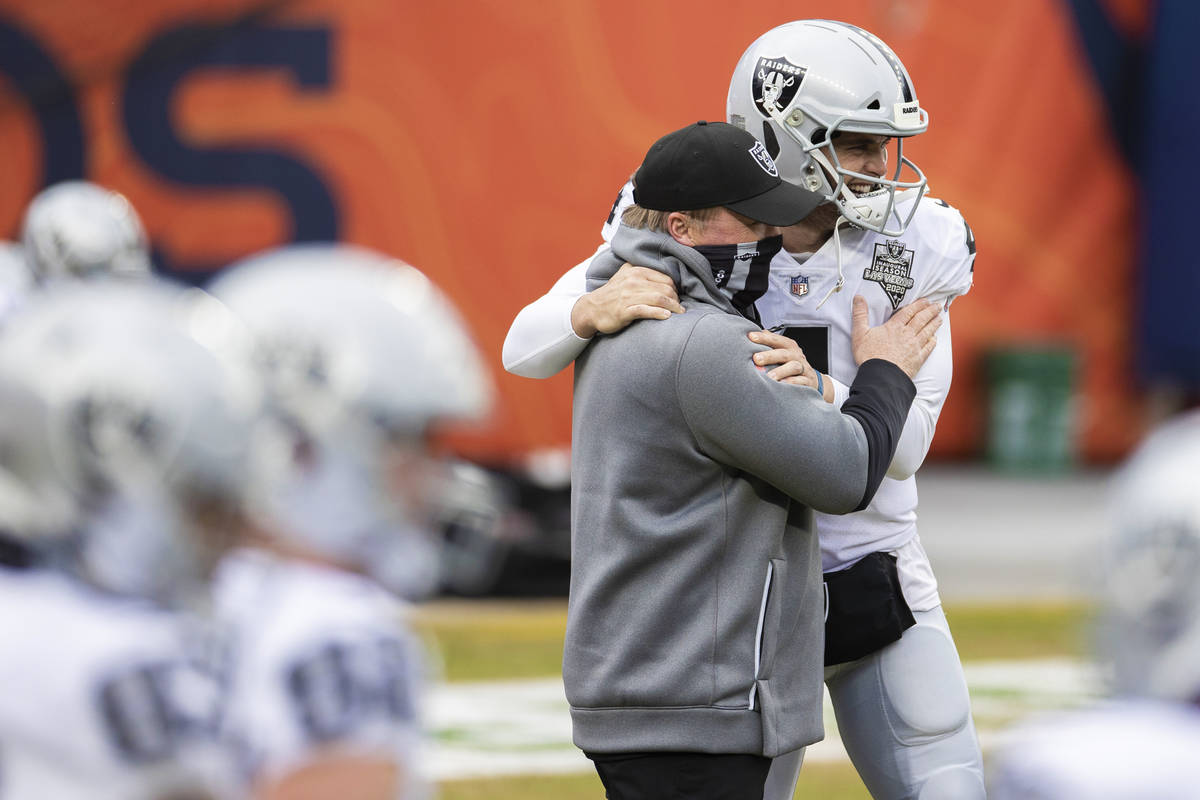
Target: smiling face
[865, 153]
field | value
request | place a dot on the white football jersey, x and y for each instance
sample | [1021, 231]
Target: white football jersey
[100, 698]
[934, 259]
[321, 660]
[1116, 751]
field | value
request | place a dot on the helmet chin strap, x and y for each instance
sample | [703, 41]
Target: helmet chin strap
[841, 280]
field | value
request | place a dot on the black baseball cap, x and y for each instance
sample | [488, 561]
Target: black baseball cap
[710, 164]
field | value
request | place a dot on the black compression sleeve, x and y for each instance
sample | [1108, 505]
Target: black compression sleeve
[879, 399]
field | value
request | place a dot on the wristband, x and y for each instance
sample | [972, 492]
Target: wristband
[820, 383]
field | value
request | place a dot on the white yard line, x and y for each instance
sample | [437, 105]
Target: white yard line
[523, 727]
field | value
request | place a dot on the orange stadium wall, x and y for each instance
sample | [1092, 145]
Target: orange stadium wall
[484, 141]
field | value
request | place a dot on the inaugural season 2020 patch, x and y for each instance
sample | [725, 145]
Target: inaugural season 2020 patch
[892, 270]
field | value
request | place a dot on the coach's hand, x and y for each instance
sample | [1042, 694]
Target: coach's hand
[632, 293]
[792, 367]
[906, 339]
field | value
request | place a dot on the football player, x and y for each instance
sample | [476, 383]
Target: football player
[116, 394]
[833, 105]
[1142, 742]
[15, 277]
[363, 357]
[77, 229]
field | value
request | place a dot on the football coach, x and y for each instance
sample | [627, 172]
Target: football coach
[694, 644]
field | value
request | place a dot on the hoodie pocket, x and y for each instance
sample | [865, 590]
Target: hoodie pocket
[766, 634]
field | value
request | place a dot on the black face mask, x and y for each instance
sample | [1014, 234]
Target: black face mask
[740, 270]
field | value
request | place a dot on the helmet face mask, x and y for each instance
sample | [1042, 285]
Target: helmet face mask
[874, 209]
[800, 85]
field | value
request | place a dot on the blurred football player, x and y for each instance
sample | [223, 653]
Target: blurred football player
[834, 105]
[79, 230]
[116, 394]
[15, 277]
[362, 357]
[1143, 742]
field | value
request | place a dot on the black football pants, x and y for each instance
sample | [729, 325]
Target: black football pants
[681, 776]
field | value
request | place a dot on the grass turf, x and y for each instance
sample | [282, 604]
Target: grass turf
[826, 781]
[504, 640]
[478, 641]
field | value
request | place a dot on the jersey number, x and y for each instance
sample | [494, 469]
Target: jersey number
[147, 714]
[341, 686]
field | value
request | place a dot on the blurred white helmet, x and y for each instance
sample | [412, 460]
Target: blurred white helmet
[1150, 604]
[803, 82]
[77, 229]
[129, 413]
[362, 356]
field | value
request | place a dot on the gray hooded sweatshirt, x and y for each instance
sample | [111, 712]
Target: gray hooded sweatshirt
[695, 618]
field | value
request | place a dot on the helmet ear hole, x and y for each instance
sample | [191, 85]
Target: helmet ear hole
[770, 140]
[873, 105]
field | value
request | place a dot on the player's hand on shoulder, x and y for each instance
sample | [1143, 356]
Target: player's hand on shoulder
[632, 293]
[906, 339]
[785, 361]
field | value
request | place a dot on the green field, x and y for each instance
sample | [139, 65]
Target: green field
[825, 781]
[493, 641]
[479, 641]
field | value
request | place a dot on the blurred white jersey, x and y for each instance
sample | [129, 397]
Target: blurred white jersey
[99, 698]
[1122, 750]
[322, 661]
[16, 280]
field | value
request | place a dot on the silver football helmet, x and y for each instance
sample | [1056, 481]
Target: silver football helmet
[125, 440]
[800, 84]
[362, 355]
[1150, 604]
[78, 229]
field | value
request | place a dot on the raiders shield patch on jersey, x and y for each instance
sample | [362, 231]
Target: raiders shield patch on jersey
[892, 270]
[775, 83]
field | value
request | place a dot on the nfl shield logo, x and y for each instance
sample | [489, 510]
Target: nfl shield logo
[799, 286]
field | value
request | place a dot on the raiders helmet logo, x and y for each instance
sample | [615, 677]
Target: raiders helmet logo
[776, 81]
[113, 429]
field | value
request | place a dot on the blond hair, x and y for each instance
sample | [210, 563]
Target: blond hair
[648, 219]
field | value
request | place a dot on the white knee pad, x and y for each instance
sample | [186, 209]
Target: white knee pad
[954, 783]
[924, 685]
